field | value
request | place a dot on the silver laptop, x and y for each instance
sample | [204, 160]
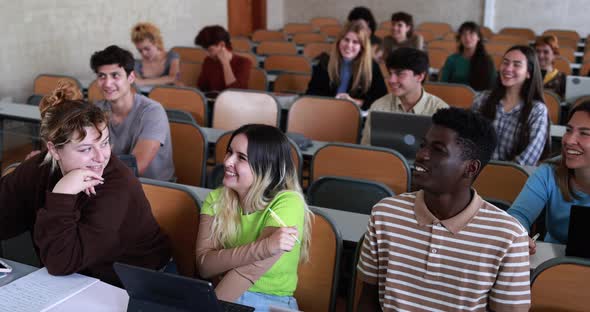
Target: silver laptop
[399, 131]
[576, 86]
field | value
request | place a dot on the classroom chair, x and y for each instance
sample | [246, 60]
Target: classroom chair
[568, 43]
[318, 278]
[450, 36]
[386, 75]
[563, 65]
[291, 83]
[585, 69]
[325, 119]
[189, 73]
[314, 49]
[438, 29]
[176, 209]
[189, 150]
[561, 284]
[384, 25]
[567, 53]
[448, 45]
[257, 80]
[175, 115]
[427, 35]
[438, 57]
[486, 32]
[276, 47]
[320, 21]
[290, 63]
[241, 44]
[510, 39]
[191, 54]
[552, 101]
[371, 163]
[305, 38]
[182, 98]
[234, 108]
[501, 180]
[526, 33]
[295, 28]
[347, 194]
[454, 94]
[268, 35]
[563, 33]
[382, 33]
[497, 47]
[331, 30]
[44, 84]
[497, 59]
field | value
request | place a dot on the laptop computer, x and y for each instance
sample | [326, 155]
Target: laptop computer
[578, 233]
[576, 86]
[151, 290]
[402, 132]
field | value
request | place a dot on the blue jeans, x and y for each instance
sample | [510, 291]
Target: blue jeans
[262, 302]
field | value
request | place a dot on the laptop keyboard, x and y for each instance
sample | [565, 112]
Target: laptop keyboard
[234, 307]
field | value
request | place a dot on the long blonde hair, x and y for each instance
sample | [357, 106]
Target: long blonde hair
[362, 70]
[269, 156]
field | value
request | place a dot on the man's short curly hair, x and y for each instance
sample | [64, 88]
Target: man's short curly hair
[475, 133]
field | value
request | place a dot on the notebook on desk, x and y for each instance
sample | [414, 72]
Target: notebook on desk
[399, 131]
[578, 233]
[151, 291]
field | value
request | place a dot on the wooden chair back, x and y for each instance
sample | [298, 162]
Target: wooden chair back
[234, 108]
[325, 119]
[189, 150]
[176, 209]
[182, 98]
[378, 164]
[454, 94]
[513, 178]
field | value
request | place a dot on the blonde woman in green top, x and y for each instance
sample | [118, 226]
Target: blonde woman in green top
[254, 231]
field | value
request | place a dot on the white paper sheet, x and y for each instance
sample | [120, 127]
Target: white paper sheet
[40, 291]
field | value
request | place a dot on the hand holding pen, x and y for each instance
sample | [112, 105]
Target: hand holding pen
[284, 238]
[533, 244]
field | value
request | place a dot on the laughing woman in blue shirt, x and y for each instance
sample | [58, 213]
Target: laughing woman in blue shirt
[559, 186]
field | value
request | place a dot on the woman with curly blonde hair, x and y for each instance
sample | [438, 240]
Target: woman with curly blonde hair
[156, 65]
[255, 229]
[84, 207]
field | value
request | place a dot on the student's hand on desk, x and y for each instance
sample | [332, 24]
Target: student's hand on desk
[78, 180]
[283, 239]
[532, 246]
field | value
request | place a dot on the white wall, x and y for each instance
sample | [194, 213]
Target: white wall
[540, 15]
[536, 14]
[275, 16]
[58, 36]
[422, 10]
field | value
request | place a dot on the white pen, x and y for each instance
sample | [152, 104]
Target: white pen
[536, 236]
[281, 223]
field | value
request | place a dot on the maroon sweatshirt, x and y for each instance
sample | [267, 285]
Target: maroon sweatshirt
[81, 233]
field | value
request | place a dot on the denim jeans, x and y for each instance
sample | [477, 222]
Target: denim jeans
[262, 302]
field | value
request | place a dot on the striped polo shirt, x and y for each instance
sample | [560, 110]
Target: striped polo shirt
[475, 261]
